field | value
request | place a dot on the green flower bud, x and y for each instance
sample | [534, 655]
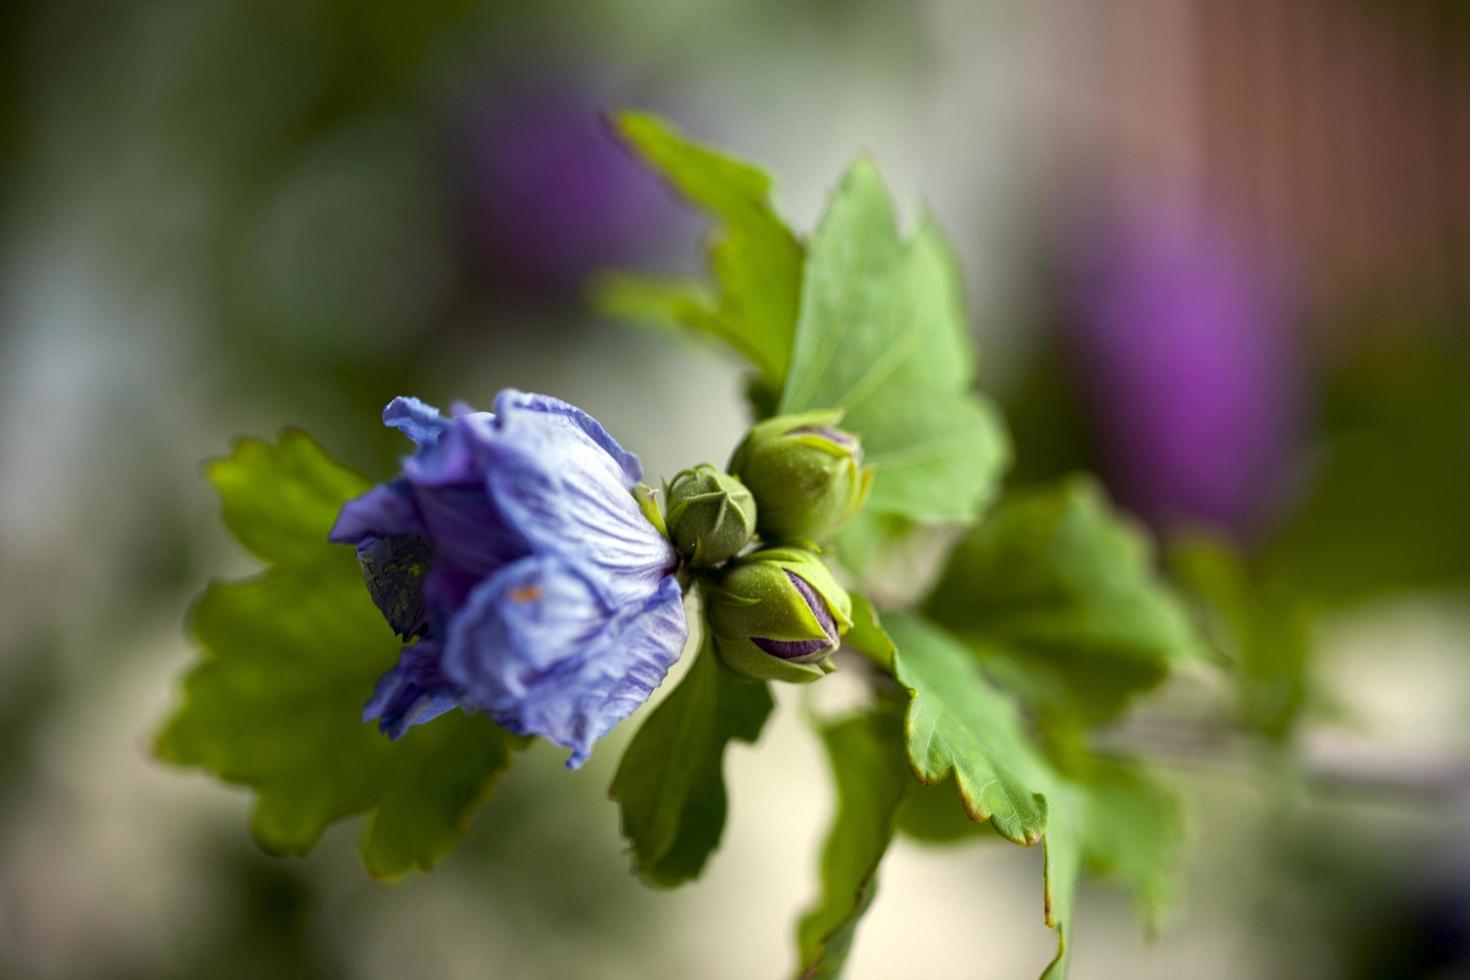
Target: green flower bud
[807, 476]
[711, 516]
[778, 614]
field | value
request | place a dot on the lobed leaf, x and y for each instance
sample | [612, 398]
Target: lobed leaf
[881, 335]
[936, 815]
[1061, 873]
[280, 499]
[288, 658]
[1057, 596]
[756, 260]
[1113, 819]
[670, 783]
[958, 723]
[872, 783]
[1105, 814]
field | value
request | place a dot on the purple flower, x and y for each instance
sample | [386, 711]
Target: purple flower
[512, 546]
[1181, 344]
[547, 196]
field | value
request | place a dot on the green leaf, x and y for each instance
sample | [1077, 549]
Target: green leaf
[957, 722]
[1063, 869]
[280, 499]
[1382, 513]
[893, 558]
[870, 547]
[1114, 820]
[867, 635]
[936, 815]
[1107, 814]
[756, 260]
[937, 458]
[1259, 626]
[429, 789]
[670, 784]
[288, 658]
[665, 303]
[1057, 596]
[872, 781]
[1134, 833]
[882, 335]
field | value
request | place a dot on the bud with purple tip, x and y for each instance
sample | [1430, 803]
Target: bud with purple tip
[778, 614]
[806, 474]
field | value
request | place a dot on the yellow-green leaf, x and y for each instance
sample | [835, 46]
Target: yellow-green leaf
[756, 260]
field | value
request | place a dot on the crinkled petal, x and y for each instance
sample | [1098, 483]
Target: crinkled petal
[385, 510]
[543, 647]
[591, 524]
[518, 624]
[447, 484]
[630, 660]
[555, 481]
[420, 422]
[413, 692]
[446, 588]
[454, 458]
[468, 529]
[510, 402]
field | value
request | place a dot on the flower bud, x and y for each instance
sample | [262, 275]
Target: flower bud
[807, 476]
[778, 614]
[711, 516]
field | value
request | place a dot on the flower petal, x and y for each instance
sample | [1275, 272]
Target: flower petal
[518, 624]
[385, 510]
[468, 530]
[616, 677]
[511, 402]
[554, 480]
[420, 422]
[448, 485]
[543, 647]
[413, 692]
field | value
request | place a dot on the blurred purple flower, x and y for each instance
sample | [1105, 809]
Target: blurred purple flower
[549, 196]
[1179, 341]
[513, 546]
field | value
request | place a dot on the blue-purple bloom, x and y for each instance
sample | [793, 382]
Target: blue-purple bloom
[513, 548]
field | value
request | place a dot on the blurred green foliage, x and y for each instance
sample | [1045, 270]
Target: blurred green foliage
[1057, 596]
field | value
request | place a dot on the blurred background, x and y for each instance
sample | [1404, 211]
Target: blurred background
[1216, 252]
